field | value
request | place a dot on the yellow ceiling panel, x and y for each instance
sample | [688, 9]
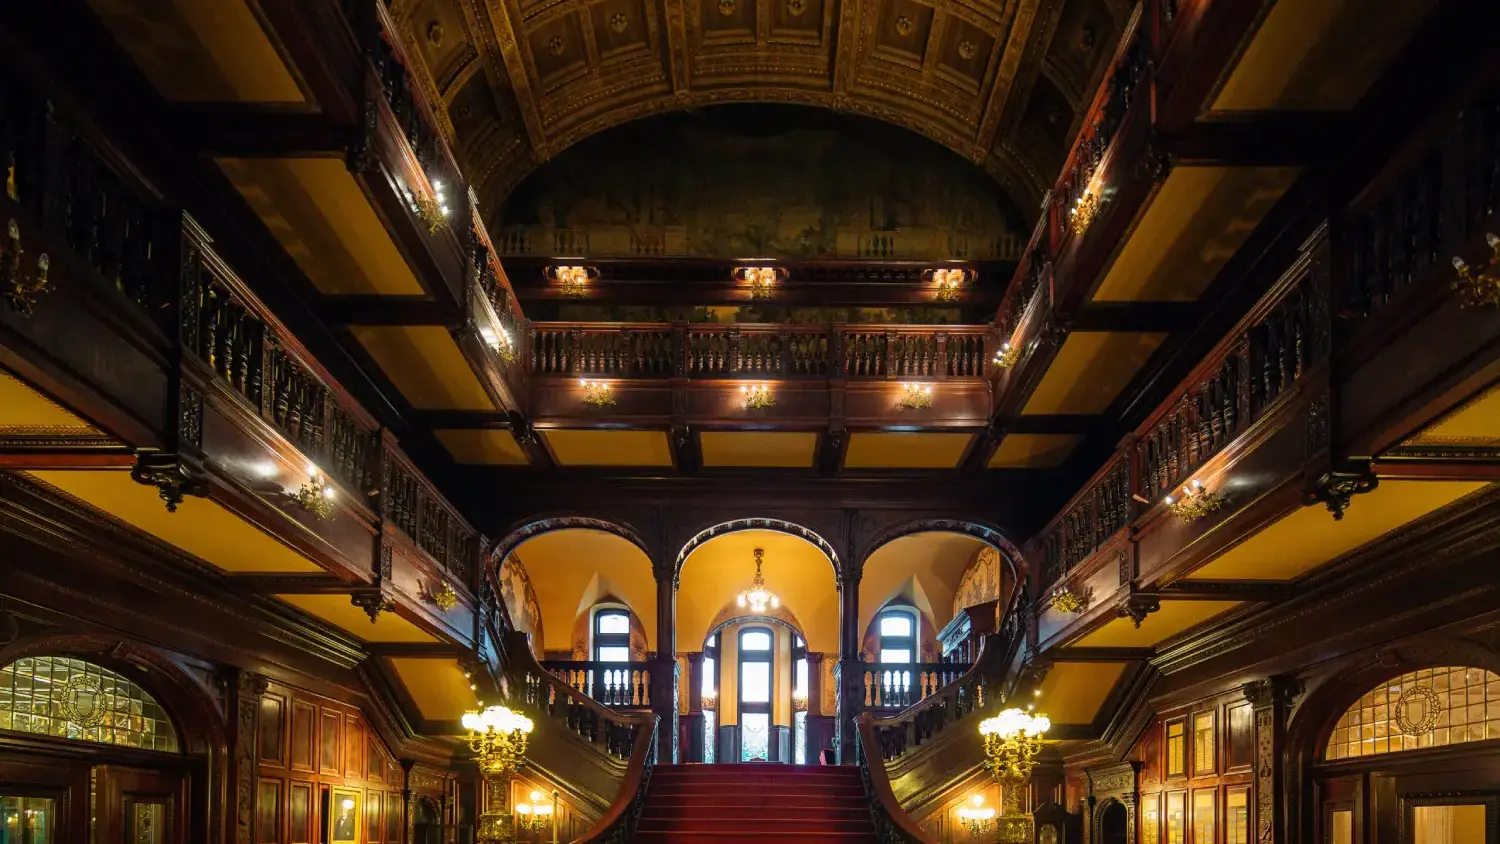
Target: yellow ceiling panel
[200, 50]
[760, 449]
[1090, 370]
[1302, 57]
[24, 410]
[426, 365]
[1072, 692]
[339, 611]
[1174, 617]
[1034, 451]
[200, 527]
[1309, 536]
[905, 450]
[485, 446]
[320, 214]
[1477, 421]
[437, 686]
[1197, 221]
[596, 447]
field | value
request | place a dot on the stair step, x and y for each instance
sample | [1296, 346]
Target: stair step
[742, 810]
[709, 792]
[734, 782]
[756, 800]
[719, 836]
[767, 826]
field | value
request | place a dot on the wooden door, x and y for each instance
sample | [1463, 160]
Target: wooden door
[1340, 813]
[140, 807]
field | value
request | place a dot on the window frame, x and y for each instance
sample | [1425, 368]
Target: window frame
[1195, 764]
[1166, 748]
[907, 643]
[768, 656]
[609, 640]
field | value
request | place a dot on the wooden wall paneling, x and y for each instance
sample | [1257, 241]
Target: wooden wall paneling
[272, 730]
[395, 814]
[304, 743]
[268, 811]
[329, 730]
[354, 745]
[1239, 744]
[374, 812]
[376, 764]
[301, 814]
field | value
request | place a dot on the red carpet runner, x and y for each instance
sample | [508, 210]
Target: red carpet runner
[755, 804]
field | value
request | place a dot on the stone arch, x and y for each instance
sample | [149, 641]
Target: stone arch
[191, 707]
[538, 525]
[758, 523]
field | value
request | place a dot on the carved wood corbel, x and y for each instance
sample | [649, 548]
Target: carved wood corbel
[1337, 487]
[1136, 607]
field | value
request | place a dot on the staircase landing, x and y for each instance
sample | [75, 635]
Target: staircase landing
[755, 804]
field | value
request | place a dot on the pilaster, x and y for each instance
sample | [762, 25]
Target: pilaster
[1271, 700]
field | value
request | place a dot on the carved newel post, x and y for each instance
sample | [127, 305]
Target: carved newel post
[1272, 701]
[849, 675]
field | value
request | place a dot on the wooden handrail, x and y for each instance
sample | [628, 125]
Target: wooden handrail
[892, 823]
[625, 809]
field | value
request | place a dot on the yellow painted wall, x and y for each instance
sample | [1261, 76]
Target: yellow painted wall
[571, 570]
[795, 570]
[925, 567]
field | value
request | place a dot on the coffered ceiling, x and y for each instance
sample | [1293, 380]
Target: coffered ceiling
[1001, 82]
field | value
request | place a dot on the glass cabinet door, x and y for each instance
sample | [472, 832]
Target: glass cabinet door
[27, 820]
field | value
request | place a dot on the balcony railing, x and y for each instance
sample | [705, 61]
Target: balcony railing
[895, 687]
[1274, 348]
[416, 508]
[758, 351]
[619, 685]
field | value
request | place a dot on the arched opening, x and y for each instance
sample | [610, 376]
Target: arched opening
[586, 597]
[427, 822]
[765, 702]
[1114, 824]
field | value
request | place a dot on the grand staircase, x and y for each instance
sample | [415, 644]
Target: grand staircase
[726, 804]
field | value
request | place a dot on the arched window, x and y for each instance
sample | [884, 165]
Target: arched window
[710, 691]
[756, 648]
[69, 698]
[898, 636]
[1432, 707]
[611, 635]
[799, 701]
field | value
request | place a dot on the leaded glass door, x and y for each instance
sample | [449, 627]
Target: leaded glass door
[139, 807]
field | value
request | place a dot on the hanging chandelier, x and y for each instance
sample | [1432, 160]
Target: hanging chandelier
[757, 597]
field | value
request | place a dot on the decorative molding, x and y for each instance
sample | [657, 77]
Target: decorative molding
[1336, 488]
[172, 479]
[779, 525]
[1136, 607]
[373, 602]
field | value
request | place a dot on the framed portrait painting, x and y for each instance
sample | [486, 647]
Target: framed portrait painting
[342, 817]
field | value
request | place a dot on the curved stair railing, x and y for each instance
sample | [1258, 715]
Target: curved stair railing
[884, 743]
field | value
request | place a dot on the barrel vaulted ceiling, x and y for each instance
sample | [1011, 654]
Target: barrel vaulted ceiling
[1001, 82]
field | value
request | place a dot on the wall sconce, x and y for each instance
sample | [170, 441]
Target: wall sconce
[917, 396]
[758, 396]
[316, 494]
[1006, 356]
[1071, 601]
[710, 701]
[432, 208]
[535, 815]
[978, 818]
[761, 279]
[441, 596]
[1084, 211]
[799, 700]
[1475, 288]
[1195, 503]
[597, 393]
[573, 280]
[498, 339]
[948, 281]
[20, 288]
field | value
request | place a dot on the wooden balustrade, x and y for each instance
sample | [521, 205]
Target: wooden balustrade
[1120, 91]
[900, 686]
[1096, 514]
[622, 685]
[758, 351]
[75, 191]
[543, 693]
[1409, 234]
[415, 508]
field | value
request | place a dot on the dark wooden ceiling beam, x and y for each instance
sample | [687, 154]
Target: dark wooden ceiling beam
[256, 130]
[386, 310]
[1263, 139]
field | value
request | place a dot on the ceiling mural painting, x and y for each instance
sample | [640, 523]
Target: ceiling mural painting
[718, 184]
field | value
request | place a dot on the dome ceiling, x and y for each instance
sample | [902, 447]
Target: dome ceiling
[999, 83]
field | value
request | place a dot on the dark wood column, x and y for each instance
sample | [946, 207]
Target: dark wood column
[664, 670]
[819, 723]
[248, 689]
[851, 671]
[1272, 700]
[690, 732]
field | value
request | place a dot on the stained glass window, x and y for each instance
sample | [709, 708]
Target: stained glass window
[26, 820]
[70, 698]
[755, 736]
[1433, 707]
[1237, 816]
[1176, 749]
[710, 734]
[799, 737]
[1176, 816]
[1150, 819]
[1203, 816]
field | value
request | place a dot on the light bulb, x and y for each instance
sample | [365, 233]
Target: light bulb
[347, 804]
[328, 492]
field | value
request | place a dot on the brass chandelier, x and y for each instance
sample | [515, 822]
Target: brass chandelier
[758, 598]
[497, 735]
[1012, 740]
